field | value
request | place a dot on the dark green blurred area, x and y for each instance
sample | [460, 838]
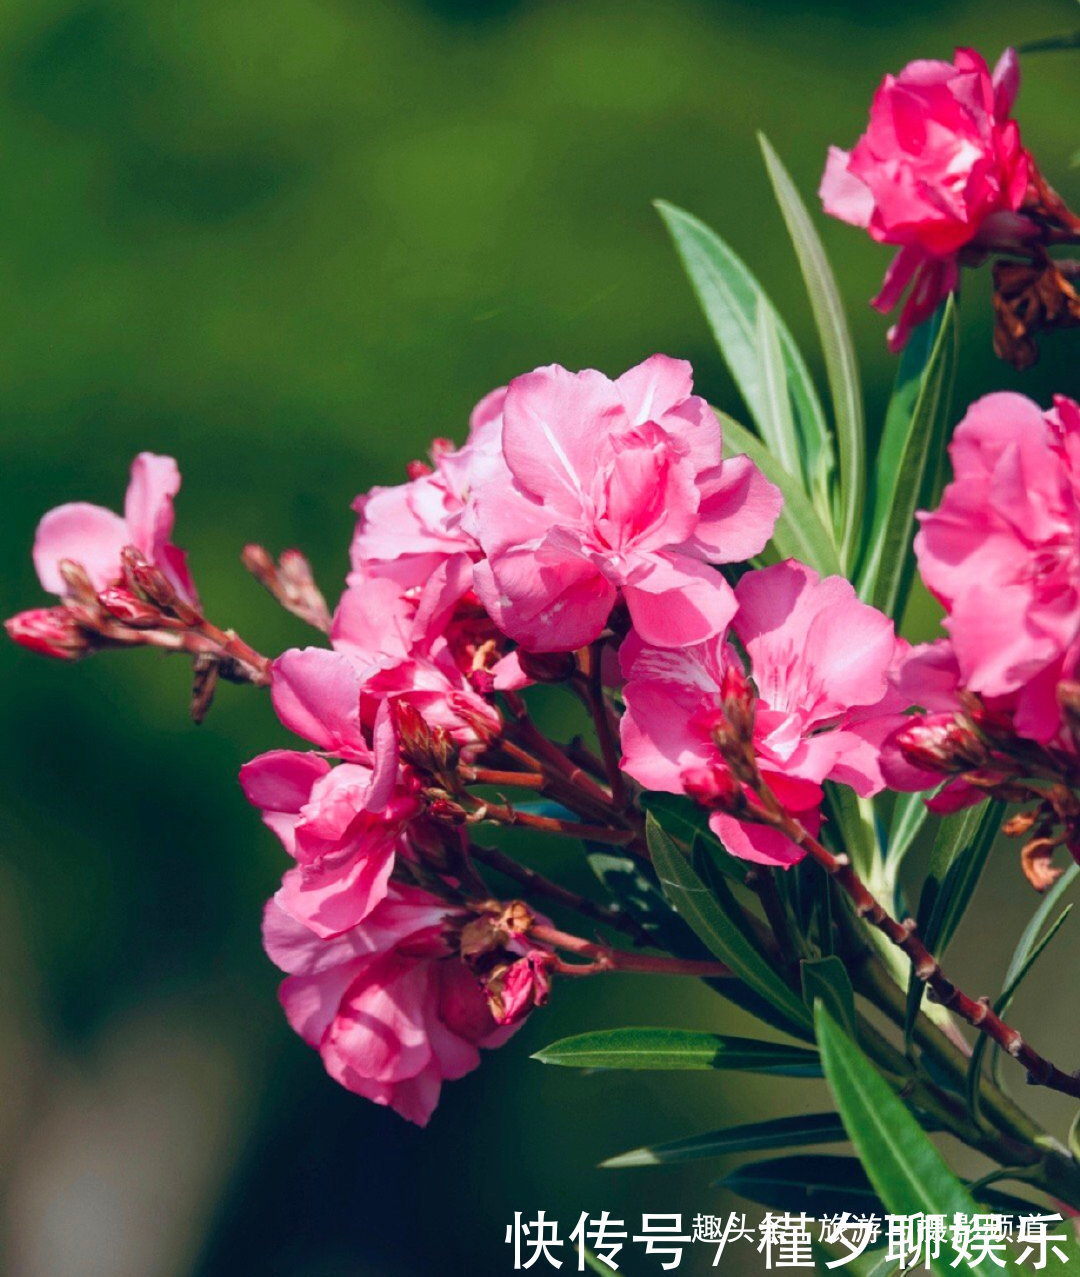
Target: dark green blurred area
[290, 242]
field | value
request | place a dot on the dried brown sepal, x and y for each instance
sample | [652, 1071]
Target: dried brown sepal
[1036, 860]
[1030, 297]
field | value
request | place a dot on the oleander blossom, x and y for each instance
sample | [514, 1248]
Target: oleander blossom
[93, 537]
[608, 490]
[820, 662]
[344, 825]
[940, 172]
[391, 1009]
[1002, 554]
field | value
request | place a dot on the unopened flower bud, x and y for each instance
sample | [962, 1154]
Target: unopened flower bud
[52, 631]
[514, 990]
[737, 696]
[428, 749]
[715, 788]
[945, 747]
[130, 609]
[447, 810]
[77, 581]
[417, 469]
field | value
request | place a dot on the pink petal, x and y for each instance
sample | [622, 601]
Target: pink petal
[680, 601]
[843, 195]
[316, 694]
[148, 506]
[654, 387]
[87, 534]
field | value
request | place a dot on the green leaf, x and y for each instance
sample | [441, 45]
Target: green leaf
[1051, 44]
[909, 816]
[826, 980]
[907, 479]
[840, 364]
[956, 864]
[721, 935]
[686, 820]
[776, 420]
[628, 881]
[678, 1049]
[781, 1132]
[817, 1183]
[900, 1161]
[1004, 1001]
[732, 300]
[1029, 938]
[854, 817]
[799, 532]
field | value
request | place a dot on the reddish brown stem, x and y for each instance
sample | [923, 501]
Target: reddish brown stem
[607, 959]
[536, 884]
[975, 1011]
[593, 694]
[552, 824]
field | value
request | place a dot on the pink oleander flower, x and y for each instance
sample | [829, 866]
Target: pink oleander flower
[940, 171]
[392, 1010]
[1002, 554]
[414, 648]
[821, 702]
[344, 825]
[412, 533]
[93, 536]
[612, 489]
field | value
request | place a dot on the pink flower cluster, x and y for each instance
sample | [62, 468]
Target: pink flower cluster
[582, 515]
[1002, 555]
[940, 172]
[820, 705]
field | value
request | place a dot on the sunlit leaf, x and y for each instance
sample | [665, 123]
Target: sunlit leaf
[907, 469]
[732, 299]
[840, 363]
[678, 1049]
[799, 533]
[900, 1160]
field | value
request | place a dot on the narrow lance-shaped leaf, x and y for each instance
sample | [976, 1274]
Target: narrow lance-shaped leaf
[799, 533]
[656, 1048]
[723, 937]
[732, 298]
[840, 363]
[956, 864]
[900, 1161]
[909, 816]
[776, 418]
[780, 1132]
[889, 561]
[826, 980]
[1004, 1001]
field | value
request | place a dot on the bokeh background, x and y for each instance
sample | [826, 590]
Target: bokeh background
[289, 242]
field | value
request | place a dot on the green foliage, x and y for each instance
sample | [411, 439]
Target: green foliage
[840, 363]
[909, 460]
[900, 1161]
[958, 858]
[679, 1049]
[759, 351]
[718, 929]
[780, 1132]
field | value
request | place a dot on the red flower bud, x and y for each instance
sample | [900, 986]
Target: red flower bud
[715, 788]
[52, 631]
[130, 609]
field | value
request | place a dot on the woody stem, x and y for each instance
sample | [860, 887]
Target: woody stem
[592, 693]
[976, 1012]
[604, 958]
[506, 815]
[536, 884]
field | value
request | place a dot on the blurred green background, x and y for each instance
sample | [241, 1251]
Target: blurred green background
[289, 242]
